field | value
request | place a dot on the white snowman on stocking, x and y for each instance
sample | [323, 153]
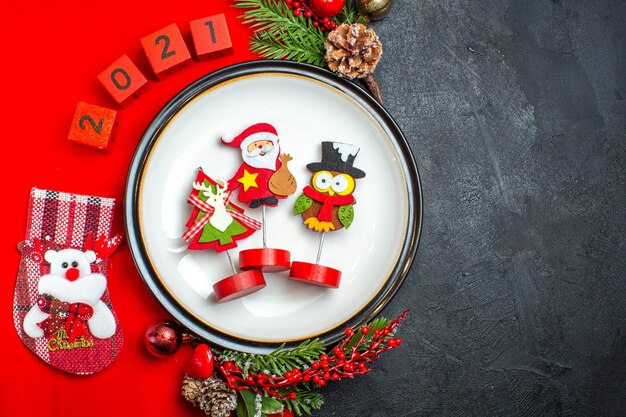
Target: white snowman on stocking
[71, 281]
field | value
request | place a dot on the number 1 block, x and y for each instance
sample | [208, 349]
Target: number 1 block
[210, 37]
[166, 51]
[93, 125]
[123, 81]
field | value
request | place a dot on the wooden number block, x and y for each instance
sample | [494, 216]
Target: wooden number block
[166, 51]
[93, 125]
[210, 37]
[123, 81]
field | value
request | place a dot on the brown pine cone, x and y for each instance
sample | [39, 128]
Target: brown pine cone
[217, 399]
[211, 395]
[191, 389]
[353, 51]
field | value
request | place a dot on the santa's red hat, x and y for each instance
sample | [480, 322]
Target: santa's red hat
[259, 131]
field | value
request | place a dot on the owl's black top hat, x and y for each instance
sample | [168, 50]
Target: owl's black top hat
[337, 156]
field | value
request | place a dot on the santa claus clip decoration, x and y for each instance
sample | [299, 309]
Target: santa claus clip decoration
[327, 205]
[261, 181]
[216, 223]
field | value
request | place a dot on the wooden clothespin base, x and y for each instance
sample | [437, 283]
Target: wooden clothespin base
[265, 259]
[238, 285]
[315, 274]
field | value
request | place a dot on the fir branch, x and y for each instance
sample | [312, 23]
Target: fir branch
[278, 34]
[273, 16]
[278, 361]
[305, 402]
[286, 46]
[350, 14]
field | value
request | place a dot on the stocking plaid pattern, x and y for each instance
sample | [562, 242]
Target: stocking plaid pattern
[58, 220]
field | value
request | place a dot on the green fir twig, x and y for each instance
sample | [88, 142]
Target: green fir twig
[350, 14]
[279, 360]
[285, 46]
[305, 402]
[278, 34]
[309, 358]
[274, 16]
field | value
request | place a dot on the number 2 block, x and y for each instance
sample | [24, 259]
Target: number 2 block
[123, 81]
[210, 37]
[93, 125]
[166, 51]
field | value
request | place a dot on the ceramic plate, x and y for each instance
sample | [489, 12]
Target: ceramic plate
[307, 105]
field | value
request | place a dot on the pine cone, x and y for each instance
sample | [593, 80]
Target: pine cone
[217, 399]
[353, 51]
[211, 395]
[192, 389]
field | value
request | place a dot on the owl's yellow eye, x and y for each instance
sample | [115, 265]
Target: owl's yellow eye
[322, 180]
[342, 184]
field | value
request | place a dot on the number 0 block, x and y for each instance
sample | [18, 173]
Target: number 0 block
[210, 37]
[166, 51]
[93, 125]
[123, 81]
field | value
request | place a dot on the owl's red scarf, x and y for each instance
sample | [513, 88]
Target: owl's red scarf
[328, 202]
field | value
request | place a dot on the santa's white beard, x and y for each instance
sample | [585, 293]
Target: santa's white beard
[264, 160]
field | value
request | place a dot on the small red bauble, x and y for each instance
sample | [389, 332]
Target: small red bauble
[326, 8]
[163, 339]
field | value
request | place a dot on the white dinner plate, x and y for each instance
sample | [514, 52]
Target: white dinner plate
[307, 105]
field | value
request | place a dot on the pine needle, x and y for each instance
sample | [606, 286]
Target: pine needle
[350, 14]
[305, 402]
[278, 361]
[285, 46]
[278, 34]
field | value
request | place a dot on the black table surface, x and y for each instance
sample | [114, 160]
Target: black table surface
[515, 112]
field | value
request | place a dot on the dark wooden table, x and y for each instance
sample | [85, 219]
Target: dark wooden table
[515, 113]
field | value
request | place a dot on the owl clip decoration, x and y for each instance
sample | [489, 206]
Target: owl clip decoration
[327, 205]
[216, 223]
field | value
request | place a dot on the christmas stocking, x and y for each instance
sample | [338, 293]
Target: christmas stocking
[61, 308]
